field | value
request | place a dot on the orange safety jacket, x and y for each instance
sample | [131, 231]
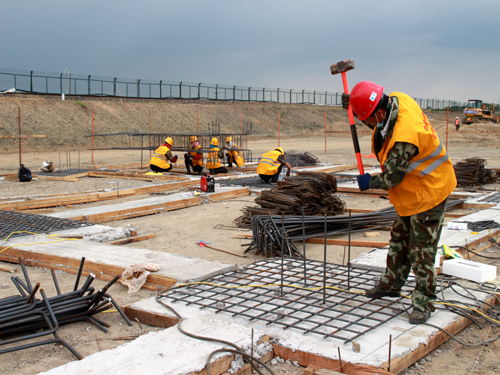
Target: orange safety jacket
[159, 157]
[197, 157]
[213, 161]
[430, 177]
[269, 164]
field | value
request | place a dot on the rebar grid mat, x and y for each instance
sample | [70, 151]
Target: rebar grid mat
[12, 222]
[491, 198]
[62, 172]
[327, 312]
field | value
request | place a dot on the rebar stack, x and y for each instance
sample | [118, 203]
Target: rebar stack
[472, 172]
[24, 317]
[308, 193]
[273, 235]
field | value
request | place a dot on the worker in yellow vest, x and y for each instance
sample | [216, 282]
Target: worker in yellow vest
[162, 159]
[193, 159]
[270, 165]
[419, 177]
[214, 157]
[232, 155]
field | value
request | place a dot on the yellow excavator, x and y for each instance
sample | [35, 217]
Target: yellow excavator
[477, 111]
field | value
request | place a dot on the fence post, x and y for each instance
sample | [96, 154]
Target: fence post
[314, 97]
[263, 94]
[278, 94]
[60, 84]
[249, 87]
[180, 90]
[88, 84]
[114, 86]
[302, 96]
[31, 80]
[216, 91]
[234, 93]
[138, 88]
[199, 90]
[161, 81]
[290, 96]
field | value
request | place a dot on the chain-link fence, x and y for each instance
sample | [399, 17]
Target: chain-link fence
[90, 85]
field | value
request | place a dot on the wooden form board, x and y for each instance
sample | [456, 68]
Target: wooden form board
[78, 198]
[113, 212]
[135, 176]
[107, 261]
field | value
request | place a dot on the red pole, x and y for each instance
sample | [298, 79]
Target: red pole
[447, 111]
[279, 126]
[324, 123]
[92, 138]
[19, 131]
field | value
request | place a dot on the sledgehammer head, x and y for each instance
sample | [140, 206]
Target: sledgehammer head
[342, 66]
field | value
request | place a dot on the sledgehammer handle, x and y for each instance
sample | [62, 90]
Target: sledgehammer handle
[354, 134]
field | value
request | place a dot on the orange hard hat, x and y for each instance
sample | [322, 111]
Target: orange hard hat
[365, 97]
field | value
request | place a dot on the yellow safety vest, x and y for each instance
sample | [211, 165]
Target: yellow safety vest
[213, 160]
[430, 178]
[159, 159]
[269, 164]
[238, 159]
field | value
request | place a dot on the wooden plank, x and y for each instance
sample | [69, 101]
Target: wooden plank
[138, 238]
[23, 136]
[149, 317]
[400, 363]
[102, 271]
[135, 176]
[160, 207]
[306, 359]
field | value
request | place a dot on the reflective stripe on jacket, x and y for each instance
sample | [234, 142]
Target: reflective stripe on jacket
[213, 160]
[269, 164]
[430, 177]
[159, 157]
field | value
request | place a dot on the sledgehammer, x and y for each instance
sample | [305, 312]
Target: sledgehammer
[342, 67]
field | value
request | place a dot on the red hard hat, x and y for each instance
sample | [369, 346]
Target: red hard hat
[364, 98]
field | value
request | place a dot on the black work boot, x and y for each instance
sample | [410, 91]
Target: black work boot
[378, 292]
[419, 316]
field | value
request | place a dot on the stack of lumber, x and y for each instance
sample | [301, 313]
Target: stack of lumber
[308, 193]
[472, 172]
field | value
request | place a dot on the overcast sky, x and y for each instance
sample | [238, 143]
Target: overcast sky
[445, 49]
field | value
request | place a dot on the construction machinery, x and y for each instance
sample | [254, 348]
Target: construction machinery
[477, 111]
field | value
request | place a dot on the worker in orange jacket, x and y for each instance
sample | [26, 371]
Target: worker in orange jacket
[193, 159]
[418, 176]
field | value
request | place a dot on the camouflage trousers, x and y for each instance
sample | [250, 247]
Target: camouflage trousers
[413, 245]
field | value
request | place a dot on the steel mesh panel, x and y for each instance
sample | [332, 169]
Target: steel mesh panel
[11, 221]
[333, 313]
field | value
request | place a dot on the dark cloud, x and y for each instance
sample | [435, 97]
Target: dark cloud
[437, 49]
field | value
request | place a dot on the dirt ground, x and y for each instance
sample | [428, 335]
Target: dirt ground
[178, 231]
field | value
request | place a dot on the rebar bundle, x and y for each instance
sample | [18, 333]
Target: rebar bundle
[25, 317]
[301, 159]
[308, 193]
[273, 235]
[472, 171]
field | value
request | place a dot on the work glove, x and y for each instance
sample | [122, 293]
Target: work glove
[345, 100]
[364, 181]
[174, 159]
